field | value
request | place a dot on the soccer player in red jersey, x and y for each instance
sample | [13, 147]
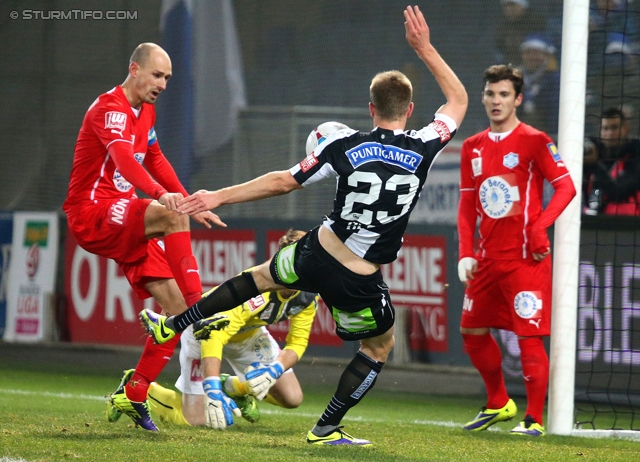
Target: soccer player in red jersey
[508, 279]
[148, 239]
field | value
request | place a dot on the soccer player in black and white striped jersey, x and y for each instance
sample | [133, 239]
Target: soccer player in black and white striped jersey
[380, 175]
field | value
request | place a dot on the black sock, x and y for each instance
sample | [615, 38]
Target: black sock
[356, 380]
[227, 296]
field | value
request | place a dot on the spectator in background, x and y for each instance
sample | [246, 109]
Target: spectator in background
[554, 25]
[615, 84]
[541, 92]
[518, 21]
[611, 169]
[606, 17]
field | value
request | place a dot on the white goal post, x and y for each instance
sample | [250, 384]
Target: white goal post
[566, 248]
[575, 32]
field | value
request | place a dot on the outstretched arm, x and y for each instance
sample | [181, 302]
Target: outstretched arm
[418, 36]
[269, 185]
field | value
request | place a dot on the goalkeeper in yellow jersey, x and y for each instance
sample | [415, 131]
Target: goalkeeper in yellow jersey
[263, 371]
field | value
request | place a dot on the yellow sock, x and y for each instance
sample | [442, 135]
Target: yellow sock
[166, 404]
[238, 388]
[271, 400]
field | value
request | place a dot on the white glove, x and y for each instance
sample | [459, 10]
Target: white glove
[219, 409]
[261, 377]
[466, 264]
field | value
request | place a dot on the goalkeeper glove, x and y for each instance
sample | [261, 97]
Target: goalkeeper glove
[219, 409]
[261, 377]
[465, 265]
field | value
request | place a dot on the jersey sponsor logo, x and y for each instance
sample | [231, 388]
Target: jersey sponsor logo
[498, 197]
[441, 129]
[375, 152]
[467, 304]
[510, 160]
[308, 162]
[121, 182]
[152, 138]
[255, 303]
[553, 150]
[528, 305]
[116, 121]
[476, 166]
[118, 212]
[197, 372]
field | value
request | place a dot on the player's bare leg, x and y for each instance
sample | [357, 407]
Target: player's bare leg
[286, 392]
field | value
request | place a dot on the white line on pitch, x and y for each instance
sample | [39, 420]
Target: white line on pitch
[49, 394]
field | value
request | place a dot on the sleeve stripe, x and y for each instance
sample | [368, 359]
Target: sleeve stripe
[561, 176]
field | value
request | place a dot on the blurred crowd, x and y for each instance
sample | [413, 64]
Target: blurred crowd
[530, 37]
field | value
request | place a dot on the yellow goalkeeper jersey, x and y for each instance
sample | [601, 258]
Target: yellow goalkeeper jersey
[267, 308]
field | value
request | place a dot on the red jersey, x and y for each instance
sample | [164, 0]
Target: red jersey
[96, 175]
[506, 180]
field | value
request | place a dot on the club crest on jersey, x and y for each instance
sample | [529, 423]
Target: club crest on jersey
[376, 152]
[442, 130]
[476, 166]
[498, 197]
[115, 121]
[527, 304]
[510, 160]
[553, 150]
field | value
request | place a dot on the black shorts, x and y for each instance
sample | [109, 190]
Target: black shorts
[360, 305]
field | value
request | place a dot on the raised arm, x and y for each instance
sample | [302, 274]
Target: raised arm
[419, 38]
[269, 185]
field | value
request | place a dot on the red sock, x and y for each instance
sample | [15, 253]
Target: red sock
[535, 369]
[153, 359]
[183, 265]
[486, 357]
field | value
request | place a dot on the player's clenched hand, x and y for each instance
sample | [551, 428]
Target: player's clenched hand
[466, 267]
[198, 202]
[417, 31]
[170, 200]
[261, 377]
[219, 409]
[539, 244]
[207, 218]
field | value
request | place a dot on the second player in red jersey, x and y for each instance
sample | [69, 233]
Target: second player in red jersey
[508, 279]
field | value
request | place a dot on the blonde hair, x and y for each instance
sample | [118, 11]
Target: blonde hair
[391, 93]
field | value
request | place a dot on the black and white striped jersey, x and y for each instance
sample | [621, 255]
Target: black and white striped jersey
[379, 178]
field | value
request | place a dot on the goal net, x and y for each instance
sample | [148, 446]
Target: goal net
[595, 384]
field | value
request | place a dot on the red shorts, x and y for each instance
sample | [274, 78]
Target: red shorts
[514, 295]
[115, 229]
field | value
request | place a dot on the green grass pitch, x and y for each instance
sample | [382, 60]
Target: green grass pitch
[59, 416]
